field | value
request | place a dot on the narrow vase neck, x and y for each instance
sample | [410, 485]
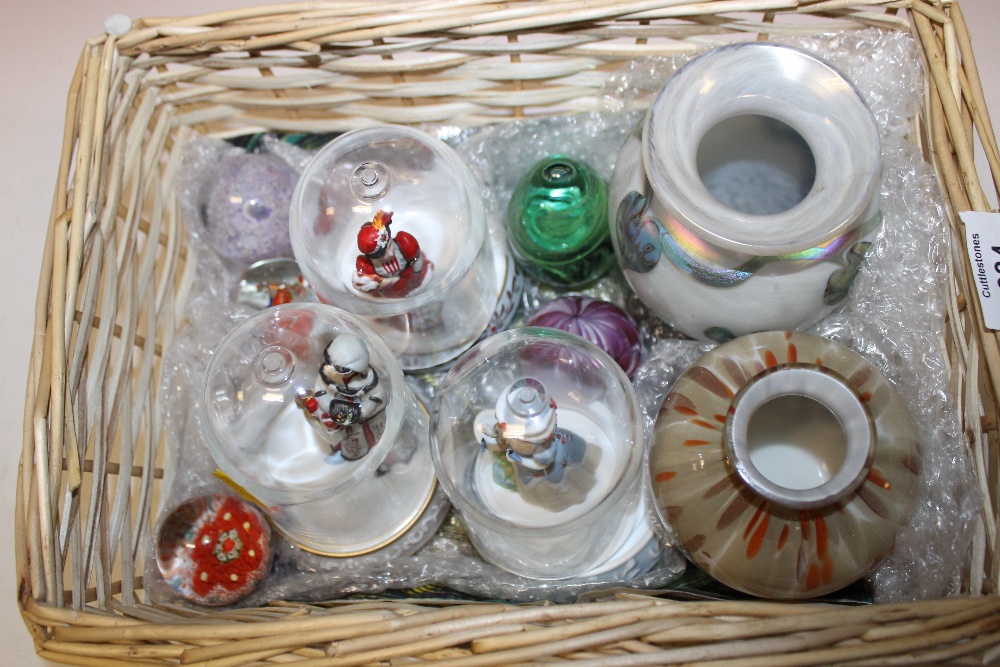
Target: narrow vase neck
[800, 436]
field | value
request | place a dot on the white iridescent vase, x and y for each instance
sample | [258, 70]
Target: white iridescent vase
[748, 198]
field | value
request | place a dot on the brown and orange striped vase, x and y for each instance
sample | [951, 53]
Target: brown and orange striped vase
[783, 464]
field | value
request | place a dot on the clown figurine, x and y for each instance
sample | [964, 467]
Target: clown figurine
[345, 407]
[388, 265]
[524, 431]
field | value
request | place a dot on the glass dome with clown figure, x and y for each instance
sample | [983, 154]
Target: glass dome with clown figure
[306, 411]
[537, 437]
[388, 223]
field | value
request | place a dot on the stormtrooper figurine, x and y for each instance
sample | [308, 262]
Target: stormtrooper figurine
[525, 431]
[347, 396]
[388, 265]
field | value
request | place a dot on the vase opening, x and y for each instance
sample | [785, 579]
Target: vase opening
[800, 436]
[756, 164]
[796, 442]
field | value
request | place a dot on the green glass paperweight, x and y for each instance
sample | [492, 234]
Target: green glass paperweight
[558, 223]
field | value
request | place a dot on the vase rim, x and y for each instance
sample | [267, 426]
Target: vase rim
[784, 84]
[845, 462]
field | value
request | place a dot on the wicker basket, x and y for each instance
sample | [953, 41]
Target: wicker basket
[116, 273]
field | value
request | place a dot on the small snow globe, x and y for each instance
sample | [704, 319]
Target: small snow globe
[537, 437]
[387, 222]
[306, 412]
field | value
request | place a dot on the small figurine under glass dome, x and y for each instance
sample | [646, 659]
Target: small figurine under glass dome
[347, 398]
[546, 492]
[531, 452]
[431, 284]
[388, 265]
[306, 411]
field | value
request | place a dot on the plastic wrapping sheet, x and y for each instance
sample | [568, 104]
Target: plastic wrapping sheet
[212, 311]
[448, 560]
[894, 316]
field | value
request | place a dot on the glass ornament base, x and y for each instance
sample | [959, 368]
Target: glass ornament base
[296, 456]
[510, 286]
[635, 554]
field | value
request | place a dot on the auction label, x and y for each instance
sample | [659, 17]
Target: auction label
[982, 233]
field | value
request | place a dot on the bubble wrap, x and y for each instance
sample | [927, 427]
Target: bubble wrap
[448, 559]
[907, 265]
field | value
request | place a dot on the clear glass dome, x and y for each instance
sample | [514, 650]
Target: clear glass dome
[536, 436]
[387, 222]
[328, 437]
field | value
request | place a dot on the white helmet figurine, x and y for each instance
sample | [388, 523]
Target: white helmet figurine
[525, 411]
[347, 351]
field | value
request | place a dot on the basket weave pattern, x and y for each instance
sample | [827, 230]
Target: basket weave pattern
[117, 270]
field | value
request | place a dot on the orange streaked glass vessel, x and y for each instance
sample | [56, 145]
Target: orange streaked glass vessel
[783, 464]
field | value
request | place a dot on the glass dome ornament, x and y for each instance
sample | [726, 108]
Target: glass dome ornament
[537, 439]
[306, 411]
[388, 223]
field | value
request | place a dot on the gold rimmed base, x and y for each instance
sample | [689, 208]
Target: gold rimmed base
[361, 552]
